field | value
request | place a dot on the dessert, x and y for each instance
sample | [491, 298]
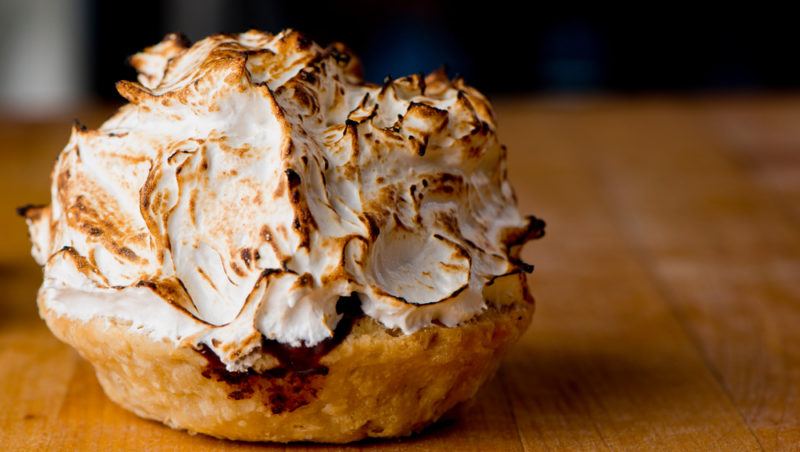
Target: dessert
[262, 246]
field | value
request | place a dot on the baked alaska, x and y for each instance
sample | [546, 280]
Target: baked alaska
[262, 246]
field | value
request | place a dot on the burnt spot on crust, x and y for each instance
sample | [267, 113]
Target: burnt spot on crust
[281, 390]
[299, 377]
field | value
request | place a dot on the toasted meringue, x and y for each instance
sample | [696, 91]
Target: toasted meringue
[254, 179]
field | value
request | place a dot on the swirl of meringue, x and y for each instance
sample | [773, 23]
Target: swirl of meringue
[254, 179]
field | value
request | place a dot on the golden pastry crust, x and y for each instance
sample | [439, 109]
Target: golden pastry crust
[376, 382]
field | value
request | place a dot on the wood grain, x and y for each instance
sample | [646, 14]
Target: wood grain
[668, 290]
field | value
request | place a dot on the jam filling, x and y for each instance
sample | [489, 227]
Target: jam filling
[298, 378]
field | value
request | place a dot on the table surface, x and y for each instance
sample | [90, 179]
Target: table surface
[668, 288]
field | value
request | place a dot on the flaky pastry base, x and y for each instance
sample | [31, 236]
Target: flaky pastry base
[379, 383]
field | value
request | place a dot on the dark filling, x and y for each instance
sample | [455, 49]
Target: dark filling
[299, 375]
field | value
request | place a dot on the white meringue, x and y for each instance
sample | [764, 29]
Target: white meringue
[253, 180]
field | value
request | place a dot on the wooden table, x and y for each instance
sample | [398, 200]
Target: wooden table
[668, 287]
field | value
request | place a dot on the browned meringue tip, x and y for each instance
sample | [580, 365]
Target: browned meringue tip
[31, 211]
[171, 43]
[131, 91]
[346, 59]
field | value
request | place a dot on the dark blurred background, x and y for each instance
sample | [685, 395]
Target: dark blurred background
[56, 54]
